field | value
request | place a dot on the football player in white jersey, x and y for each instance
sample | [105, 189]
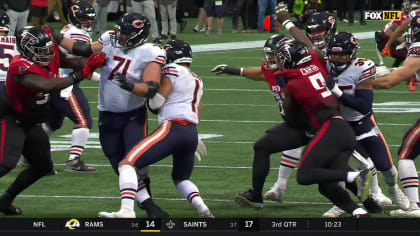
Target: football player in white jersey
[410, 146]
[8, 48]
[351, 80]
[72, 102]
[123, 115]
[179, 105]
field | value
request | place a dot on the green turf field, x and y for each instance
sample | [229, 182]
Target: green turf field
[240, 111]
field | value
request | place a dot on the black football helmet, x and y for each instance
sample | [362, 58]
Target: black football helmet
[178, 51]
[82, 15]
[271, 46]
[320, 28]
[345, 43]
[4, 22]
[36, 45]
[131, 30]
[291, 54]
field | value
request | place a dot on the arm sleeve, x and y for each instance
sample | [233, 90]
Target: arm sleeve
[361, 101]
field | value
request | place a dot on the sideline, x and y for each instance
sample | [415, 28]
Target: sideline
[255, 44]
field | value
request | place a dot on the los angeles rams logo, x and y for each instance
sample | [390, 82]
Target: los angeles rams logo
[138, 24]
[72, 224]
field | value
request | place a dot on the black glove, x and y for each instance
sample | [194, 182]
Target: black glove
[124, 83]
[223, 68]
[330, 83]
[77, 76]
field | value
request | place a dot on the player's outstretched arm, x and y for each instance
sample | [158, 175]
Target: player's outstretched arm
[403, 73]
[394, 37]
[39, 83]
[254, 73]
[80, 49]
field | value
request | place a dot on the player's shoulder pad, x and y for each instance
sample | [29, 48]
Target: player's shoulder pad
[366, 68]
[414, 50]
[105, 38]
[170, 70]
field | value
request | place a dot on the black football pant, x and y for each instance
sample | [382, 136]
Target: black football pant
[324, 160]
[30, 141]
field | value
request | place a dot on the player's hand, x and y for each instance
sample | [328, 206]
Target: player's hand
[92, 63]
[201, 150]
[386, 51]
[332, 85]
[223, 68]
[122, 80]
[219, 69]
[281, 6]
[77, 76]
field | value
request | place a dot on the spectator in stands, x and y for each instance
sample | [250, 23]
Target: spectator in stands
[214, 8]
[18, 12]
[167, 9]
[202, 17]
[147, 8]
[57, 5]
[39, 12]
[262, 8]
[243, 11]
[101, 8]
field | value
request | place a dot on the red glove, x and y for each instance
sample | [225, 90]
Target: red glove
[92, 63]
[386, 51]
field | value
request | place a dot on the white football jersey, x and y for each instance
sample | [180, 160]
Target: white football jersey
[360, 70]
[187, 89]
[8, 50]
[414, 51]
[72, 32]
[130, 63]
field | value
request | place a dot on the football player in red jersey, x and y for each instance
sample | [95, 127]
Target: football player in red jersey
[24, 106]
[312, 119]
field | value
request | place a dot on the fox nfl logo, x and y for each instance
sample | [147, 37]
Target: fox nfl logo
[382, 15]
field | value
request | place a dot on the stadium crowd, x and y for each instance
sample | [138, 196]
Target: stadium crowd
[323, 89]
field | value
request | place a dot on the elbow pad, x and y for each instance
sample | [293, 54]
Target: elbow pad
[152, 87]
[81, 49]
[156, 102]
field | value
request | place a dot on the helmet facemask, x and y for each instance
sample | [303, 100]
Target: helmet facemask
[41, 55]
[339, 61]
[270, 58]
[86, 23]
[318, 36]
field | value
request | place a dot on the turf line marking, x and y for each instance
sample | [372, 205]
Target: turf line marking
[157, 198]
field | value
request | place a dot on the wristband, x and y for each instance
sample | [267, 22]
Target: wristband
[288, 24]
[242, 71]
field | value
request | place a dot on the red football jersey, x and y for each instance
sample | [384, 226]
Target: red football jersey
[28, 103]
[306, 85]
[275, 89]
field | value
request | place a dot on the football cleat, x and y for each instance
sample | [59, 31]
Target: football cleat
[413, 84]
[246, 199]
[382, 199]
[205, 213]
[399, 197]
[274, 195]
[373, 206]
[334, 212]
[77, 165]
[122, 213]
[153, 210]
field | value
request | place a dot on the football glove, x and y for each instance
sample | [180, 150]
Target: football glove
[92, 63]
[223, 68]
[122, 80]
[77, 76]
[386, 52]
[201, 150]
[332, 85]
